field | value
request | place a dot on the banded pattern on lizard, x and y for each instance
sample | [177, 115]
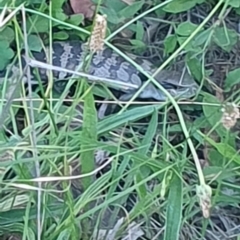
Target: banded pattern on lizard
[108, 64]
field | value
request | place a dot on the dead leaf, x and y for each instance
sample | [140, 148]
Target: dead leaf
[85, 7]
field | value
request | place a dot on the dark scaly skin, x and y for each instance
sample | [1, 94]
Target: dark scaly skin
[109, 64]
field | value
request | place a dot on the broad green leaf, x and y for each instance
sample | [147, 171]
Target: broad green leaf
[75, 19]
[225, 38]
[3, 3]
[178, 6]
[215, 170]
[189, 46]
[6, 54]
[174, 208]
[228, 152]
[195, 67]
[233, 77]
[58, 13]
[38, 24]
[34, 43]
[234, 3]
[132, 9]
[112, 16]
[225, 150]
[237, 11]
[57, 4]
[160, 13]
[138, 44]
[213, 113]
[202, 37]
[170, 43]
[61, 35]
[116, 5]
[216, 158]
[186, 28]
[7, 34]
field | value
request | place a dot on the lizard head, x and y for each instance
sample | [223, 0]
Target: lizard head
[177, 84]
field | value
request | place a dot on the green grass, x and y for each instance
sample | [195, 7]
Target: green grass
[151, 174]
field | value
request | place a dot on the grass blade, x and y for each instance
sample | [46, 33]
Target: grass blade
[89, 133]
[118, 120]
[174, 209]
